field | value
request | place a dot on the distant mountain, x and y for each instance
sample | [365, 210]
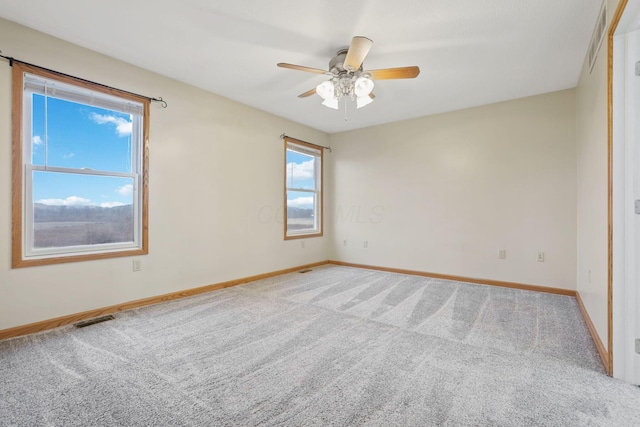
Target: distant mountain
[64, 226]
[299, 212]
[56, 213]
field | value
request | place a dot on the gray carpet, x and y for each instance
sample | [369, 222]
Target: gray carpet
[335, 346]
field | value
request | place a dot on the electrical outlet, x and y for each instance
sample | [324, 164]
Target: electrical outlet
[344, 242]
[540, 256]
[365, 244]
[502, 254]
[137, 265]
[302, 244]
[638, 346]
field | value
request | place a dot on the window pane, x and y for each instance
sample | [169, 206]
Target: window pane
[72, 135]
[74, 209]
[300, 170]
[301, 207]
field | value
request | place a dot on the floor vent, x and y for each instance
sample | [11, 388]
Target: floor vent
[305, 271]
[598, 35]
[93, 321]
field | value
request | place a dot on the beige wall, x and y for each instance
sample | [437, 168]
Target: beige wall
[591, 137]
[216, 177]
[445, 193]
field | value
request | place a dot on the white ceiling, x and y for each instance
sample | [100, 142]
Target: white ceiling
[470, 52]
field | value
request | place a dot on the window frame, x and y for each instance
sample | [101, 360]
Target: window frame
[317, 191]
[21, 201]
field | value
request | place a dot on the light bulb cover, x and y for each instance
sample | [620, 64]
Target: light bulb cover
[362, 86]
[331, 103]
[326, 90]
[363, 101]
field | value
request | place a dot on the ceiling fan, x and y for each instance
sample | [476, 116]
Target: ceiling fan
[348, 79]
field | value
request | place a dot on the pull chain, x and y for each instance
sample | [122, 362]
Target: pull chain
[345, 108]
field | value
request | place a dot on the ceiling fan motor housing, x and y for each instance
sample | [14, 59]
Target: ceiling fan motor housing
[336, 65]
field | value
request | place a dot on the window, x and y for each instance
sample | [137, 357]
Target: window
[303, 187]
[79, 169]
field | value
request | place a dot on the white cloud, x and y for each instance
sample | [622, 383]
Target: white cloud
[77, 201]
[110, 204]
[126, 189]
[300, 202]
[300, 171]
[69, 201]
[37, 140]
[123, 126]
[68, 156]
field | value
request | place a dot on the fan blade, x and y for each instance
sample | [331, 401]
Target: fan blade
[301, 68]
[358, 50]
[394, 73]
[307, 93]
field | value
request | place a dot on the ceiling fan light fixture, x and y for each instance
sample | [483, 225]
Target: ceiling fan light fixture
[363, 101]
[362, 86]
[326, 90]
[331, 103]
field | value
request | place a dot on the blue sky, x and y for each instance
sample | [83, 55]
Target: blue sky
[80, 136]
[299, 175]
